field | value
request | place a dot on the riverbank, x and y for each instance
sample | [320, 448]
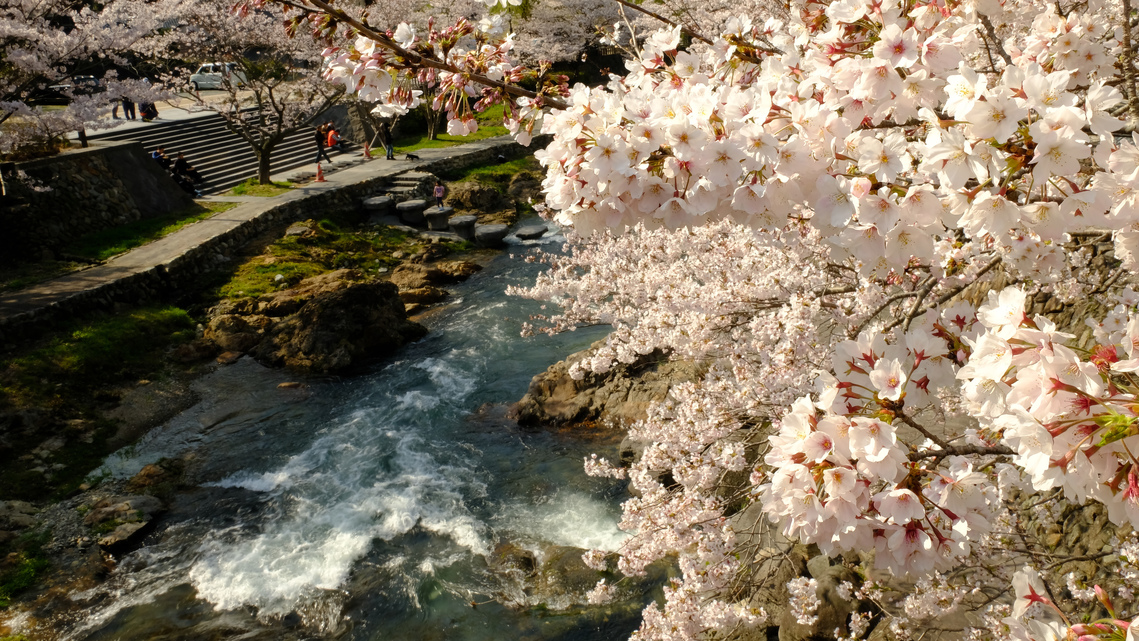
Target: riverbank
[73, 395]
[398, 501]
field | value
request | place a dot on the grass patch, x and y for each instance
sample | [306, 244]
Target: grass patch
[21, 572]
[92, 354]
[111, 242]
[20, 276]
[497, 176]
[252, 188]
[63, 379]
[324, 248]
[490, 125]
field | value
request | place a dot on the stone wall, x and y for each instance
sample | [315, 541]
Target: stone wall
[83, 191]
[179, 273]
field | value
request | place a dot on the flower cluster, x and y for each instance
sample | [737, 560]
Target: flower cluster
[808, 208]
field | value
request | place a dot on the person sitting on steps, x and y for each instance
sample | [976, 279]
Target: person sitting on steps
[334, 140]
[159, 156]
[183, 168]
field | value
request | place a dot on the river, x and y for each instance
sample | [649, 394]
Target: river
[367, 507]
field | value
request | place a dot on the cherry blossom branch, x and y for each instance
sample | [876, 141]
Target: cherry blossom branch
[692, 34]
[431, 63]
[889, 301]
[1129, 64]
[924, 432]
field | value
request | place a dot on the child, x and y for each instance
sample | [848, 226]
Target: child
[440, 190]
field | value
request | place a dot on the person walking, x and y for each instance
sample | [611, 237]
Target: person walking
[440, 191]
[128, 108]
[385, 133]
[321, 139]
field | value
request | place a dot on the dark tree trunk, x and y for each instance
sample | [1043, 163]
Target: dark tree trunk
[264, 157]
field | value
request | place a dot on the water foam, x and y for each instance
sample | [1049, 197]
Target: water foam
[372, 476]
[569, 518]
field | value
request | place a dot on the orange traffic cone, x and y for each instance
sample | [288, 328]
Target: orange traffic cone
[319, 174]
[367, 152]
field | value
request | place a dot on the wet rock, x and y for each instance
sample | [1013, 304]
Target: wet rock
[122, 537]
[509, 557]
[157, 476]
[334, 331]
[228, 358]
[410, 276]
[564, 574]
[422, 295]
[127, 509]
[458, 270]
[530, 232]
[491, 235]
[623, 394]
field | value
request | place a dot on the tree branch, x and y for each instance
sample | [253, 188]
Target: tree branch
[415, 58]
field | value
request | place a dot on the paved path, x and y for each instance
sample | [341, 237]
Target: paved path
[164, 250]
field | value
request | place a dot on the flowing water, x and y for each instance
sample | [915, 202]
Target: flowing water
[368, 507]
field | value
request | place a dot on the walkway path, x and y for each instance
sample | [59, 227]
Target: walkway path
[156, 255]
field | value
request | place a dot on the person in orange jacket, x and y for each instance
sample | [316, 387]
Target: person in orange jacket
[334, 139]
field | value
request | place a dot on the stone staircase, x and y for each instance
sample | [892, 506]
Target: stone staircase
[220, 156]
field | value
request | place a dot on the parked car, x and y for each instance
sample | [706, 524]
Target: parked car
[61, 93]
[215, 75]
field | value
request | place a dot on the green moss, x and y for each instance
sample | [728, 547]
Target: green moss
[106, 527]
[110, 242]
[30, 563]
[497, 176]
[329, 246]
[26, 274]
[252, 188]
[92, 353]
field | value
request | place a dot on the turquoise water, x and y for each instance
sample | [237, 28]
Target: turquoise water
[367, 507]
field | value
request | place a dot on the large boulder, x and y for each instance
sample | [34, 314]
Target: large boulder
[474, 196]
[623, 394]
[422, 295]
[358, 322]
[237, 333]
[458, 270]
[413, 276]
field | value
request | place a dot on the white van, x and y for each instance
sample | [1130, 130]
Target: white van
[214, 75]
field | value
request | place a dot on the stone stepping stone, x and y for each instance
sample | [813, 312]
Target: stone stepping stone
[437, 217]
[464, 226]
[441, 235]
[411, 211]
[391, 220]
[491, 235]
[530, 232]
[379, 203]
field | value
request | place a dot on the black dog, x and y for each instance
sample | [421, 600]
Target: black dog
[412, 157]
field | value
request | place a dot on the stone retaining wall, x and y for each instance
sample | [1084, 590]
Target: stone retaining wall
[84, 191]
[182, 272]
